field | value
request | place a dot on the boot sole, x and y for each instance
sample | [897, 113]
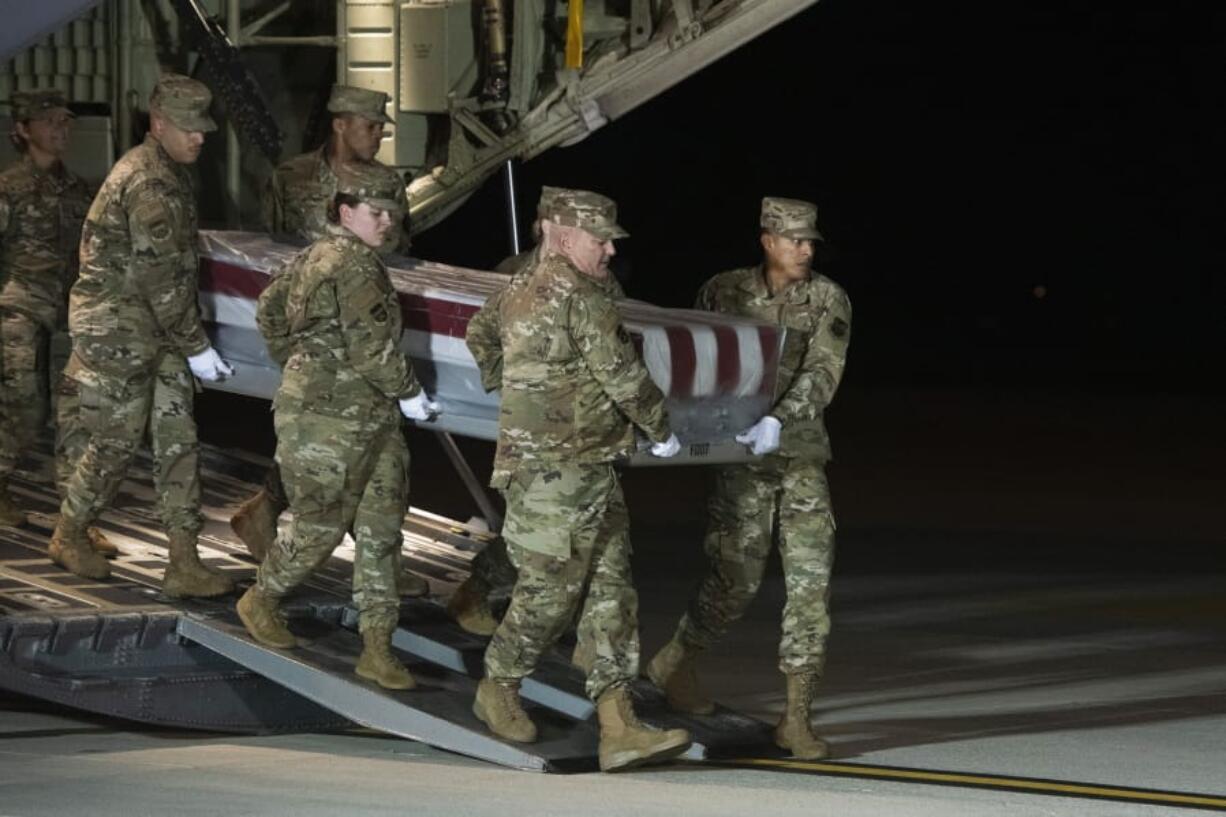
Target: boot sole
[786, 746]
[475, 629]
[416, 593]
[370, 676]
[102, 573]
[170, 594]
[621, 761]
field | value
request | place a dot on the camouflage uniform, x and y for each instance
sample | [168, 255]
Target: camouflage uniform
[295, 203]
[492, 566]
[296, 199]
[134, 319]
[41, 212]
[332, 320]
[790, 484]
[573, 388]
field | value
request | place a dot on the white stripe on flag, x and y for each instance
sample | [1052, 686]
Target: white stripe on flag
[750, 343]
[656, 354]
[706, 360]
[230, 310]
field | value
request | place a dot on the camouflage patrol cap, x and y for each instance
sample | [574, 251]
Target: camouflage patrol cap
[38, 104]
[361, 101]
[544, 205]
[374, 184]
[589, 211]
[184, 102]
[790, 218]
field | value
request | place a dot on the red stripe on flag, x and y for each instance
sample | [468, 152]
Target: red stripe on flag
[432, 315]
[683, 361]
[225, 278]
[727, 360]
[436, 316]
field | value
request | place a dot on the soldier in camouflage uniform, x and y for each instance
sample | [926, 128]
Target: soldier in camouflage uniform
[300, 190]
[42, 206]
[573, 389]
[136, 331]
[491, 573]
[295, 206]
[332, 320]
[788, 484]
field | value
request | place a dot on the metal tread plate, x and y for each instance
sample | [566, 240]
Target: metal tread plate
[558, 685]
[118, 647]
[437, 712]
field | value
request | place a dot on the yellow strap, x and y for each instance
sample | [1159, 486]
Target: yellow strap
[574, 35]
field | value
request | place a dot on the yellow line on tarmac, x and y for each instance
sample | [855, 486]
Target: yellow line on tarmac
[988, 781]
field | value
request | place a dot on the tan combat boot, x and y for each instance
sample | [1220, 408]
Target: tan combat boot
[498, 707]
[410, 585]
[794, 731]
[673, 669]
[255, 523]
[10, 514]
[379, 664]
[263, 620]
[186, 576]
[70, 550]
[469, 607]
[625, 742]
[101, 545]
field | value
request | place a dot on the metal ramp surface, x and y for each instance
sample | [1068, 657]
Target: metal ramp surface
[117, 647]
[437, 712]
[427, 633]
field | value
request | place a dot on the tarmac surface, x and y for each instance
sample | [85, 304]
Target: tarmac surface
[1029, 619]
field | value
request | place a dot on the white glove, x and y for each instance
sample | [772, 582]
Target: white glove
[666, 449]
[420, 407]
[209, 366]
[762, 437]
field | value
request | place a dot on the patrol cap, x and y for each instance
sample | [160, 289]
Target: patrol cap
[544, 205]
[38, 104]
[589, 211]
[790, 218]
[372, 183]
[361, 101]
[184, 102]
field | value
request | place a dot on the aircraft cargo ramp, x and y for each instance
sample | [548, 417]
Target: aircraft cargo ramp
[119, 648]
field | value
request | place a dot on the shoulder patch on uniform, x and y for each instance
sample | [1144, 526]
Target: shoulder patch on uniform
[156, 217]
[364, 294]
[622, 334]
[838, 328]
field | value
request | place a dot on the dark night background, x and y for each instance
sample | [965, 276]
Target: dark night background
[1024, 203]
[962, 155]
